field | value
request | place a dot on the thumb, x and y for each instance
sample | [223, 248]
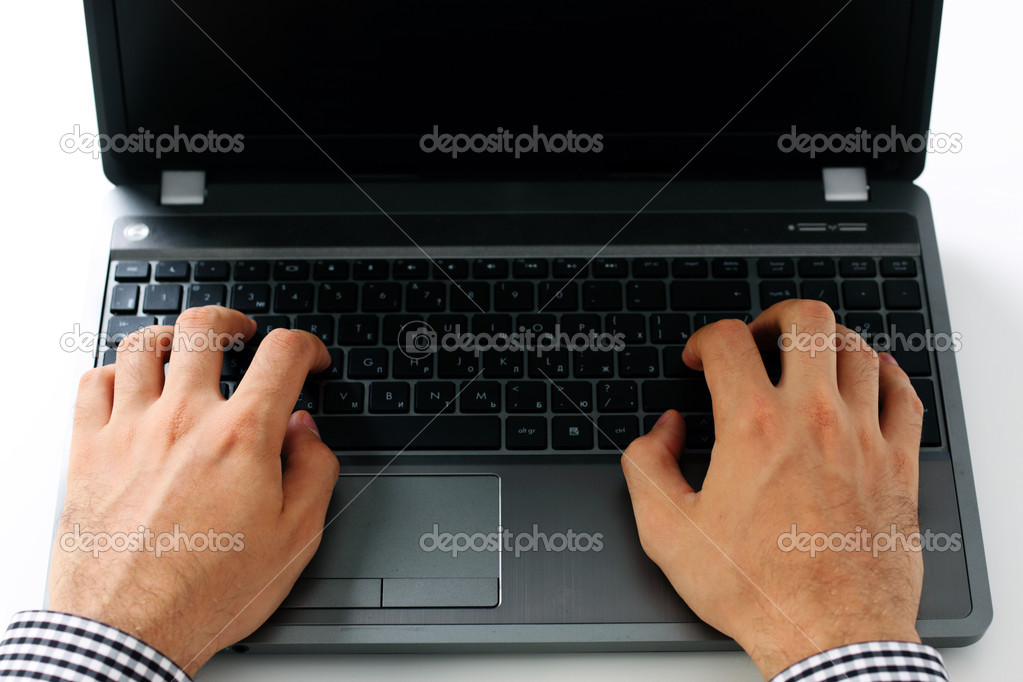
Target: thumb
[651, 465]
[310, 471]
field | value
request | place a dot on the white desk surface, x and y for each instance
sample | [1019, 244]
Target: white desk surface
[55, 220]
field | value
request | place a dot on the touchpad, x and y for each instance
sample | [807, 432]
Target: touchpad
[407, 541]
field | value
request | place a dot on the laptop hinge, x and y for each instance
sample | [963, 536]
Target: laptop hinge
[183, 188]
[846, 184]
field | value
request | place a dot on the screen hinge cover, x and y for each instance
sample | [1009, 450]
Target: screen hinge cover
[846, 184]
[183, 188]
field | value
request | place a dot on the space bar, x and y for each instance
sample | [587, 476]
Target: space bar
[411, 433]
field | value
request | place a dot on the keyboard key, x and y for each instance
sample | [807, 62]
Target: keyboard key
[293, 298]
[775, 292]
[602, 296]
[634, 362]
[390, 397]
[448, 324]
[902, 295]
[529, 268]
[330, 270]
[120, 326]
[817, 267]
[457, 364]
[931, 435]
[320, 326]
[571, 433]
[645, 296]
[490, 268]
[481, 396]
[867, 325]
[617, 396]
[267, 323]
[631, 326]
[898, 267]
[552, 364]
[235, 363]
[684, 395]
[526, 433]
[710, 296]
[456, 269]
[251, 271]
[357, 330]
[132, 271]
[580, 324]
[172, 271]
[593, 364]
[569, 268]
[308, 399]
[251, 298]
[381, 297]
[699, 440]
[367, 363]
[558, 296]
[369, 269]
[470, 297]
[776, 267]
[610, 268]
[212, 271]
[513, 295]
[861, 295]
[426, 297]
[617, 432]
[673, 365]
[336, 368]
[729, 268]
[162, 298]
[703, 319]
[207, 294]
[291, 270]
[397, 433]
[342, 398]
[650, 268]
[504, 364]
[418, 268]
[669, 328]
[526, 396]
[541, 325]
[572, 397]
[689, 268]
[907, 334]
[341, 297]
[821, 290]
[405, 367]
[434, 397]
[857, 267]
[124, 299]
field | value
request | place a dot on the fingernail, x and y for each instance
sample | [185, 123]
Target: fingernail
[310, 424]
[887, 357]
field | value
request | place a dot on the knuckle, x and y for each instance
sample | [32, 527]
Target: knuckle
[206, 317]
[730, 328]
[823, 413]
[288, 341]
[90, 378]
[813, 313]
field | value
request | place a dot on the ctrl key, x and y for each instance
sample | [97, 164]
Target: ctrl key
[526, 433]
[572, 433]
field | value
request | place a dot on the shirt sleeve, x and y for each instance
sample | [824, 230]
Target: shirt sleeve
[51, 646]
[870, 662]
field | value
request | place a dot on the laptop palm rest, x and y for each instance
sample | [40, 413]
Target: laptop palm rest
[407, 542]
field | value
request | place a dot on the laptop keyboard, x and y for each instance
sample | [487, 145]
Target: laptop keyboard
[382, 395]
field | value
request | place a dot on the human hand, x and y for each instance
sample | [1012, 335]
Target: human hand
[172, 454]
[811, 451]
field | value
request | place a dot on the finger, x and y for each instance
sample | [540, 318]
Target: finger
[858, 367]
[279, 369]
[902, 413]
[727, 354]
[201, 335]
[310, 473]
[804, 331]
[138, 378]
[651, 463]
[95, 398]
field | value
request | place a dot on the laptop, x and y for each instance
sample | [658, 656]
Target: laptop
[421, 185]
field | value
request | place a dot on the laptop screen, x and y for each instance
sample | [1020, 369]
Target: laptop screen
[579, 88]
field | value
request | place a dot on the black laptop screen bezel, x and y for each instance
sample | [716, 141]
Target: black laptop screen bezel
[294, 158]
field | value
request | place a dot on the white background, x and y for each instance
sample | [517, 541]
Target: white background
[55, 232]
